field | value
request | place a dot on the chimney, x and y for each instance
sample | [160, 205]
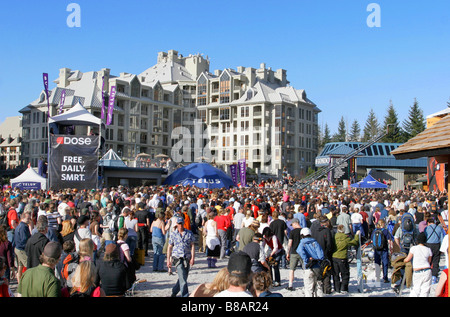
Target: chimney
[64, 74]
[105, 72]
[281, 76]
[250, 73]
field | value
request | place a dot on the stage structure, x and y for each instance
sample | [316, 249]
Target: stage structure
[74, 149]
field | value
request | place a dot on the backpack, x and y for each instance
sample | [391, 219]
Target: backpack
[3, 218]
[379, 240]
[433, 206]
[115, 223]
[313, 250]
[325, 267]
[407, 225]
[69, 266]
[390, 226]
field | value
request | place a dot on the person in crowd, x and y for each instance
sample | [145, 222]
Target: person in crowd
[40, 281]
[37, 242]
[111, 273]
[218, 284]
[83, 281]
[261, 282]
[212, 239]
[181, 256]
[158, 232]
[239, 276]
[421, 257]
[7, 252]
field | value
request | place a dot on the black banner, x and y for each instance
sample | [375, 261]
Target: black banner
[73, 161]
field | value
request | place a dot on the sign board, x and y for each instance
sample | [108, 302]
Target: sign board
[73, 161]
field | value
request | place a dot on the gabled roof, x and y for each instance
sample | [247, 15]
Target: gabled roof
[433, 141]
[166, 72]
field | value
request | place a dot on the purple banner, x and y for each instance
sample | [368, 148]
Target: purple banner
[45, 78]
[234, 173]
[63, 99]
[103, 98]
[243, 172]
[112, 97]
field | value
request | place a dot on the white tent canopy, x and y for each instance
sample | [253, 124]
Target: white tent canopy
[29, 179]
[77, 115]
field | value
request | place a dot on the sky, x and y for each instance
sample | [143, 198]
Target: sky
[327, 47]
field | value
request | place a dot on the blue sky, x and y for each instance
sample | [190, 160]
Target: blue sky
[346, 67]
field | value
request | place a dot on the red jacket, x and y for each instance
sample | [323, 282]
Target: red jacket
[223, 222]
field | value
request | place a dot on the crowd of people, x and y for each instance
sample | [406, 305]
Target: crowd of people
[91, 242]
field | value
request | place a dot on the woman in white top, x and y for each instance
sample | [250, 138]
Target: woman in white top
[421, 263]
[130, 224]
[212, 240]
[248, 220]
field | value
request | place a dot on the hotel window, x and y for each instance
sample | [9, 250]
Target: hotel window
[224, 113]
[245, 112]
[244, 139]
[226, 141]
[201, 86]
[226, 127]
[201, 100]
[245, 125]
[224, 88]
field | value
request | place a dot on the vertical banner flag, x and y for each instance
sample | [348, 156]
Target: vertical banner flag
[63, 98]
[73, 162]
[112, 97]
[243, 172]
[45, 78]
[234, 173]
[103, 98]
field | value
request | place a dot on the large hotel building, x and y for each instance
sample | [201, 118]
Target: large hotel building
[239, 113]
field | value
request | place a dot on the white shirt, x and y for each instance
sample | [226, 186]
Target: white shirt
[62, 209]
[356, 218]
[420, 254]
[227, 293]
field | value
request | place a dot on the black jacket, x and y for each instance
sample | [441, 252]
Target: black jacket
[112, 277]
[34, 248]
[324, 237]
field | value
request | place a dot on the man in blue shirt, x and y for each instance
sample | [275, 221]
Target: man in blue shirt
[301, 217]
[435, 235]
[21, 236]
[181, 255]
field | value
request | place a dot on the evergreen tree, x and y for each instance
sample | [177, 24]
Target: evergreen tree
[326, 136]
[355, 132]
[415, 123]
[371, 128]
[392, 127]
[341, 134]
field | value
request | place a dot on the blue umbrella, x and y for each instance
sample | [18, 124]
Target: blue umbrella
[201, 175]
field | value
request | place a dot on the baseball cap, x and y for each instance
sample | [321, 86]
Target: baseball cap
[305, 232]
[239, 264]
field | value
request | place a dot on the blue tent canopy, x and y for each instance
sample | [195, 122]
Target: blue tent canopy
[201, 175]
[369, 182]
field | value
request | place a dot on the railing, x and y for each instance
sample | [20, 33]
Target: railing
[325, 170]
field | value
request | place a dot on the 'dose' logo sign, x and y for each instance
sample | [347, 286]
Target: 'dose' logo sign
[73, 141]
